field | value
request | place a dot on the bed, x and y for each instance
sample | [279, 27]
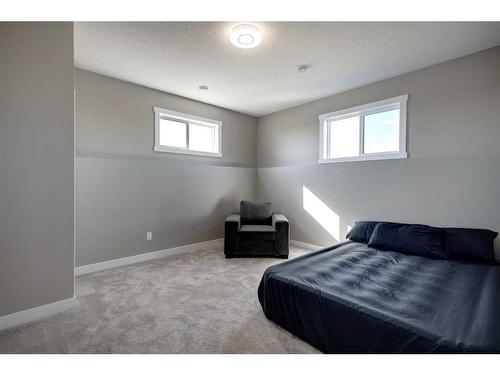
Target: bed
[353, 298]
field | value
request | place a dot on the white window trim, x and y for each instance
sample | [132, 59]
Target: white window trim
[362, 110]
[188, 119]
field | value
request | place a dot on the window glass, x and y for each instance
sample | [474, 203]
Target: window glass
[173, 133]
[202, 138]
[381, 133]
[344, 137]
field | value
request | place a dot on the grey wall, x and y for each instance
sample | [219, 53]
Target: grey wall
[36, 165]
[452, 177]
[125, 189]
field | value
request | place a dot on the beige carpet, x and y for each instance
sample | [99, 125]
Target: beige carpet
[191, 303]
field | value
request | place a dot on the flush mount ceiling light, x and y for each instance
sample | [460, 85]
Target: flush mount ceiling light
[245, 36]
[203, 88]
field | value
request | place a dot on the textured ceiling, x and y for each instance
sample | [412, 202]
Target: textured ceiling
[177, 57]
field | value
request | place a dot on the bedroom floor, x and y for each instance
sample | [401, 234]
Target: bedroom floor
[190, 303]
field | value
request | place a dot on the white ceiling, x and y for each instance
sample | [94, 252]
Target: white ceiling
[177, 57]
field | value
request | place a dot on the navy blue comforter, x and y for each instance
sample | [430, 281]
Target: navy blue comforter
[351, 298]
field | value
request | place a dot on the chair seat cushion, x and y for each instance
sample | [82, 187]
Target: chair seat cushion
[256, 228]
[257, 232]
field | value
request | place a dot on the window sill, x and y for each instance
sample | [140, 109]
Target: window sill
[388, 156]
[186, 152]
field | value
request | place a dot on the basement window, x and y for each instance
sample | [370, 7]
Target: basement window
[186, 134]
[372, 131]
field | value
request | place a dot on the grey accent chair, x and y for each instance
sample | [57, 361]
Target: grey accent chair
[256, 232]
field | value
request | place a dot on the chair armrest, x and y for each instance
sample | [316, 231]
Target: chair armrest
[232, 223]
[278, 218]
[231, 235]
[233, 218]
[282, 228]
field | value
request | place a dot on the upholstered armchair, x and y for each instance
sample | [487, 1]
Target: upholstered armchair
[256, 232]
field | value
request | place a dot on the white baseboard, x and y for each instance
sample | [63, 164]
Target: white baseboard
[36, 313]
[305, 245]
[82, 270]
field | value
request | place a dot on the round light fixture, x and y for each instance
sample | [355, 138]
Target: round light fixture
[245, 36]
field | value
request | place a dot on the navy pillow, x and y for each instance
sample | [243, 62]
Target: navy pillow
[471, 244]
[413, 239]
[362, 231]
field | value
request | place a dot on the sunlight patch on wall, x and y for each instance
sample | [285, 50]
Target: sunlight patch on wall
[320, 212]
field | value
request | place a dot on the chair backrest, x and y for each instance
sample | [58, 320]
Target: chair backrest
[252, 213]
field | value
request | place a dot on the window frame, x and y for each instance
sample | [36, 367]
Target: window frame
[187, 119]
[398, 102]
